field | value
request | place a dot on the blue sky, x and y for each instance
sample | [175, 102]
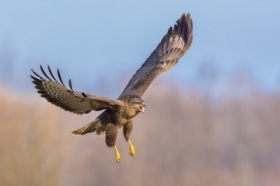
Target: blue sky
[94, 39]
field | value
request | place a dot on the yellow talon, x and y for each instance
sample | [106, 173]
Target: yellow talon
[131, 149]
[118, 156]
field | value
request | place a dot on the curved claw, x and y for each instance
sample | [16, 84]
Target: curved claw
[118, 156]
[131, 149]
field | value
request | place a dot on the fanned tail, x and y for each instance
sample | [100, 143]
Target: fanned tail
[91, 127]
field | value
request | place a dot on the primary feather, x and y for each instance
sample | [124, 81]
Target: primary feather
[172, 47]
[68, 99]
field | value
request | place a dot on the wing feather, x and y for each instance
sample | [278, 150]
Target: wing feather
[68, 99]
[172, 47]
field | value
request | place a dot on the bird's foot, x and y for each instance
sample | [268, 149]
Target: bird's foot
[131, 149]
[118, 156]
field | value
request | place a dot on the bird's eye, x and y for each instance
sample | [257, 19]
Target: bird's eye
[137, 103]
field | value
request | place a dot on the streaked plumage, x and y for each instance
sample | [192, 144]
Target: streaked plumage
[119, 113]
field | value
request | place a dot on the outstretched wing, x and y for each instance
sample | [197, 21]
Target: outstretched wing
[172, 47]
[68, 99]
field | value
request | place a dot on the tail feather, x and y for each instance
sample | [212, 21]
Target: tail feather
[91, 127]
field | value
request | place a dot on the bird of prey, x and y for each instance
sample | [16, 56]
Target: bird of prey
[119, 113]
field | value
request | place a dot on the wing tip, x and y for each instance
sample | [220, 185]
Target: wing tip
[59, 76]
[84, 94]
[70, 85]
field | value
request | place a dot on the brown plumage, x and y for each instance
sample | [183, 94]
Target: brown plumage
[119, 113]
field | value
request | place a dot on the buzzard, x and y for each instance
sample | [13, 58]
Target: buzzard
[119, 113]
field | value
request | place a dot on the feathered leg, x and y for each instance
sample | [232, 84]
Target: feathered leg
[111, 136]
[126, 132]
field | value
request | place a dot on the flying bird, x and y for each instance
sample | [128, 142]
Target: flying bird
[119, 113]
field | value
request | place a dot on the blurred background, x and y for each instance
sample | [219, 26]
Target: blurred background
[214, 119]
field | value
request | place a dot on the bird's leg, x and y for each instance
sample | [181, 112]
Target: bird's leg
[126, 132]
[111, 136]
[131, 149]
[118, 156]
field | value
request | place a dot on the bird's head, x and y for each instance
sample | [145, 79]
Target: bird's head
[138, 104]
[141, 106]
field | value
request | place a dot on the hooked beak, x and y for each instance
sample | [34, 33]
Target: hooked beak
[142, 108]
